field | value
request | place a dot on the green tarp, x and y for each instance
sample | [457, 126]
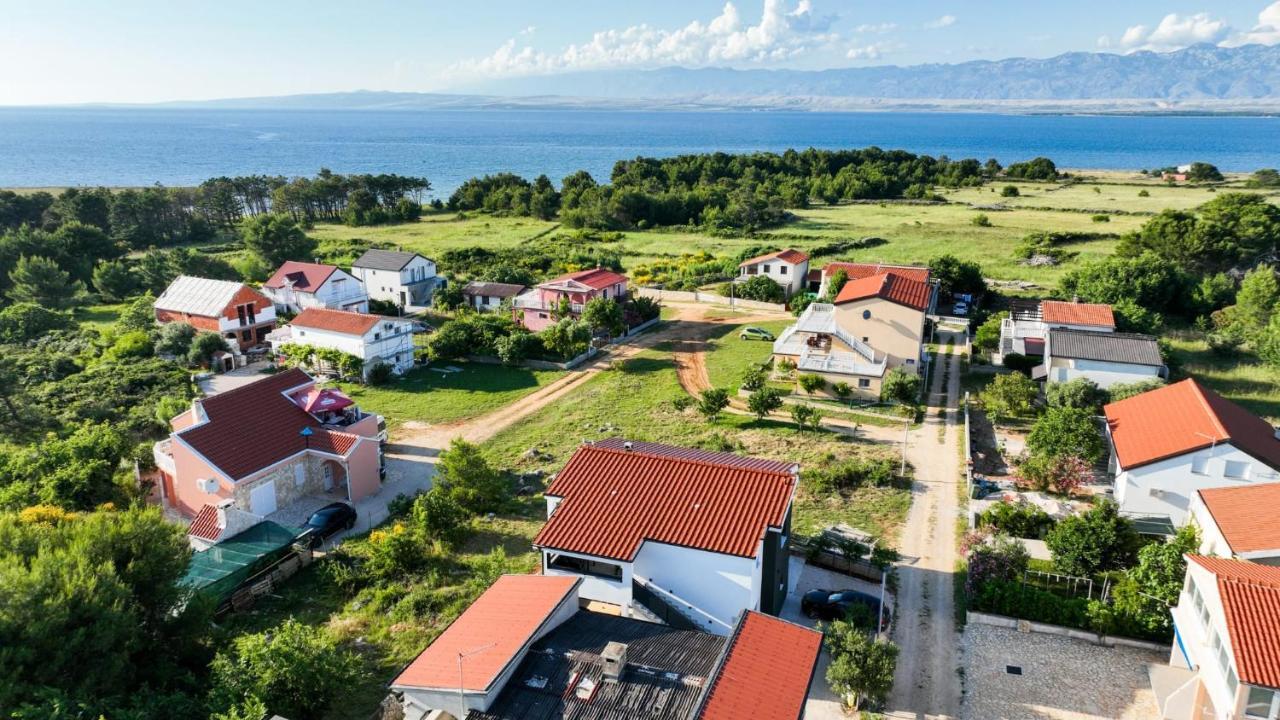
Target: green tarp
[219, 570]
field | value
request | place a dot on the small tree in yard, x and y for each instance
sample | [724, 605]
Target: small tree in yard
[712, 402]
[1009, 395]
[764, 401]
[861, 668]
[1066, 431]
[203, 347]
[812, 383]
[842, 390]
[1145, 594]
[469, 479]
[901, 387]
[1099, 539]
[604, 314]
[1064, 474]
[1080, 393]
[1001, 558]
[806, 416]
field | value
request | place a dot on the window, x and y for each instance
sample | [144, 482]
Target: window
[1262, 703]
[586, 567]
[240, 313]
[377, 336]
[864, 383]
[782, 270]
[866, 338]
[1236, 469]
[910, 361]
[246, 335]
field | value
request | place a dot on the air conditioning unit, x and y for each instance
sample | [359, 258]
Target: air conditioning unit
[207, 485]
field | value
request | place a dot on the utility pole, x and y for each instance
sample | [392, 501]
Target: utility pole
[462, 698]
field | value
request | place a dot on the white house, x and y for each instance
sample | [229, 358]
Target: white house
[297, 286]
[1225, 662]
[1026, 330]
[372, 338]
[1172, 441]
[788, 268]
[658, 531]
[1106, 358]
[404, 278]
[489, 296]
[1239, 522]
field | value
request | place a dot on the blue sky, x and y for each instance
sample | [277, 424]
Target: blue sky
[73, 51]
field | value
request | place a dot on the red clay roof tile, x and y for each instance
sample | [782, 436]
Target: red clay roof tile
[1246, 515]
[306, 277]
[1183, 417]
[492, 632]
[767, 670]
[857, 271]
[597, 278]
[1056, 312]
[337, 321]
[205, 524]
[1251, 602]
[615, 500]
[888, 286]
[795, 257]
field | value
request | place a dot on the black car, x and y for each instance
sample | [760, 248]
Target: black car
[839, 604]
[327, 521]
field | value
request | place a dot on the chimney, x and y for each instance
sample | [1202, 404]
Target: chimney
[197, 410]
[627, 446]
[222, 513]
[613, 661]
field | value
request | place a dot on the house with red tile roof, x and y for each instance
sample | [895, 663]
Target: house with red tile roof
[544, 304]
[858, 271]
[660, 531]
[241, 315]
[1026, 330]
[788, 268]
[1225, 661]
[262, 446]
[296, 286]
[373, 339]
[1239, 522]
[1169, 443]
[527, 650]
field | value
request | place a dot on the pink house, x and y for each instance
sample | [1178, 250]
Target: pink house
[540, 307]
[262, 446]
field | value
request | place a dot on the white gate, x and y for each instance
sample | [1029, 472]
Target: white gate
[262, 499]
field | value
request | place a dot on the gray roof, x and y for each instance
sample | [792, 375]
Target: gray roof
[384, 259]
[1104, 347]
[197, 296]
[492, 289]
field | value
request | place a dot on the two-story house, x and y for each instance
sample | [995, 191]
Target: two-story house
[525, 650]
[297, 286]
[489, 296]
[263, 445]
[657, 531]
[1225, 662]
[404, 278]
[375, 339]
[242, 315]
[788, 268]
[1106, 358]
[821, 284]
[566, 296]
[818, 345]
[1026, 330]
[1172, 441]
[1239, 522]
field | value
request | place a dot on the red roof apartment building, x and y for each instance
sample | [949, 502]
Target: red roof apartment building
[525, 650]
[242, 315]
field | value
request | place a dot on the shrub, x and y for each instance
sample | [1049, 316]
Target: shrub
[1100, 218]
[1009, 191]
[861, 668]
[437, 515]
[1020, 363]
[1012, 598]
[395, 551]
[842, 390]
[1017, 519]
[203, 347]
[1066, 431]
[517, 347]
[1121, 391]
[1000, 558]
[901, 386]
[380, 373]
[1143, 193]
[1064, 474]
[760, 288]
[1009, 395]
[812, 383]
[712, 402]
[764, 401]
[1097, 540]
[468, 478]
[754, 378]
[27, 321]
[847, 475]
[981, 220]
[806, 416]
[1081, 393]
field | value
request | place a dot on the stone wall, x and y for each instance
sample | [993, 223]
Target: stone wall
[288, 490]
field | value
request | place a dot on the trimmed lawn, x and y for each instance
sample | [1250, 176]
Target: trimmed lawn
[425, 395]
[728, 356]
[1242, 378]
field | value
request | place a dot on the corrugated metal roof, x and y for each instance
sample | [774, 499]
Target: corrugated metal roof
[1126, 348]
[1182, 417]
[492, 289]
[1251, 602]
[615, 500]
[491, 632]
[1246, 515]
[1074, 313]
[198, 296]
[767, 671]
[384, 259]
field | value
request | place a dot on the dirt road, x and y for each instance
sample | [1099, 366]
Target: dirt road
[927, 685]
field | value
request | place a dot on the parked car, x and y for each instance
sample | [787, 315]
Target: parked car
[983, 488]
[326, 522]
[962, 309]
[829, 605]
[752, 332]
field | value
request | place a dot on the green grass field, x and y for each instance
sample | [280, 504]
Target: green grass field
[728, 356]
[1103, 197]
[434, 234]
[1242, 377]
[425, 395]
[100, 316]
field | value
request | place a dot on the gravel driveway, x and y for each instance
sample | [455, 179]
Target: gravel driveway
[1062, 679]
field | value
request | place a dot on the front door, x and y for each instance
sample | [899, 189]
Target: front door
[262, 499]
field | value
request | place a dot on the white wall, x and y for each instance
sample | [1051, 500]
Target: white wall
[1174, 477]
[594, 587]
[793, 281]
[720, 585]
[1105, 374]
[1212, 541]
[1196, 637]
[397, 340]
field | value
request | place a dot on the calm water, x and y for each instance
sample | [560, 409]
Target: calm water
[41, 147]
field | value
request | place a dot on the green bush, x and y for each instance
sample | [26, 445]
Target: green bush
[812, 382]
[1020, 519]
[380, 373]
[847, 475]
[1009, 191]
[1012, 598]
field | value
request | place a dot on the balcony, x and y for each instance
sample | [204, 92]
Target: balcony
[534, 302]
[162, 453]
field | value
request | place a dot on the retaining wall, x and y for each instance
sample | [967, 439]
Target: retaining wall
[699, 296]
[1020, 625]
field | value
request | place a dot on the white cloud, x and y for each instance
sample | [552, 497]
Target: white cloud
[874, 51]
[944, 21]
[1266, 32]
[782, 33]
[877, 29]
[529, 30]
[1174, 32]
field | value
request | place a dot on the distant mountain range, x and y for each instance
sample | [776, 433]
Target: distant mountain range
[1201, 78]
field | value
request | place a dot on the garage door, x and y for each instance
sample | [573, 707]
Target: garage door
[262, 499]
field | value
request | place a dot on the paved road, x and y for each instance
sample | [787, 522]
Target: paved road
[927, 684]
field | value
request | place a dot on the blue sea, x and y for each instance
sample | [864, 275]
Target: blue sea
[57, 147]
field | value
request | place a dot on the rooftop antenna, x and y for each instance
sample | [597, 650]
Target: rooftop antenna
[462, 698]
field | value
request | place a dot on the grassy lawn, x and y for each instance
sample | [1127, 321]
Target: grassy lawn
[434, 234]
[1104, 197]
[1242, 378]
[728, 356]
[99, 316]
[428, 396]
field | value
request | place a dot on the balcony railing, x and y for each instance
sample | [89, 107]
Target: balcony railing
[673, 610]
[162, 452]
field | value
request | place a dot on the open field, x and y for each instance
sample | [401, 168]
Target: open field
[434, 234]
[99, 316]
[728, 356]
[427, 396]
[1242, 377]
[1102, 197]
